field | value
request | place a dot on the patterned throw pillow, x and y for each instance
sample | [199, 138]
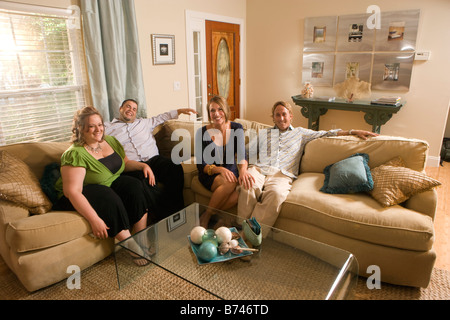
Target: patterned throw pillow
[19, 184]
[394, 184]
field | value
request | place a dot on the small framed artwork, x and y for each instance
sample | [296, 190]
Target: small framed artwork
[398, 31]
[352, 65]
[353, 34]
[318, 69]
[163, 47]
[320, 34]
[176, 220]
[392, 71]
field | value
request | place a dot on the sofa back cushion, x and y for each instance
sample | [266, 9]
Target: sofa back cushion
[182, 133]
[177, 133]
[322, 152]
[38, 154]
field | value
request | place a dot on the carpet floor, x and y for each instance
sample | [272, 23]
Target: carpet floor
[99, 282]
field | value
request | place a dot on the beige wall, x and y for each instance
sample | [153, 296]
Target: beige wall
[168, 17]
[274, 57]
[275, 43]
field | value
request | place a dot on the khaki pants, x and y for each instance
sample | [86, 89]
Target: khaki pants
[264, 200]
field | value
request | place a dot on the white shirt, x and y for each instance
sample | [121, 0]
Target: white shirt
[137, 137]
[285, 149]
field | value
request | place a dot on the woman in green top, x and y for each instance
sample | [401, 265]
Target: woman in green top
[91, 182]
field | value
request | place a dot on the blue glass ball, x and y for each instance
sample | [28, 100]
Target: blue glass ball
[207, 251]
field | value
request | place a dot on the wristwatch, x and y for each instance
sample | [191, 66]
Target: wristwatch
[350, 132]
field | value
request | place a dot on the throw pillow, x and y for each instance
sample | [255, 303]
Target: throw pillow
[350, 175]
[19, 184]
[394, 184]
[49, 177]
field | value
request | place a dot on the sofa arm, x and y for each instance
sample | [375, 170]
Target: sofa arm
[9, 211]
[424, 202]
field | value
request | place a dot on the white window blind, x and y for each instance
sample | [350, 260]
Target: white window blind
[42, 75]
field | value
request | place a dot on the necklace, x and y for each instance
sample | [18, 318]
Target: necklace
[94, 150]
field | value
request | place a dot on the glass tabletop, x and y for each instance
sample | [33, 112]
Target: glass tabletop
[285, 267]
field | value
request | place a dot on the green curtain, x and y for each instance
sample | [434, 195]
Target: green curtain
[112, 53]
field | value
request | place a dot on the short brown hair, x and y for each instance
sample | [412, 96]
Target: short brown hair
[79, 123]
[221, 102]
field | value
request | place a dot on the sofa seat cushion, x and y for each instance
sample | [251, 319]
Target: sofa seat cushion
[357, 216]
[43, 231]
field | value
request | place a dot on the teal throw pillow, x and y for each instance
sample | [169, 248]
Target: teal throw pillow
[350, 175]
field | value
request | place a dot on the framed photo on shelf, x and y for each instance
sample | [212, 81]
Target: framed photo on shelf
[320, 34]
[392, 71]
[176, 220]
[163, 47]
[398, 31]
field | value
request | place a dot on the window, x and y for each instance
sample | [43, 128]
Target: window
[198, 73]
[42, 74]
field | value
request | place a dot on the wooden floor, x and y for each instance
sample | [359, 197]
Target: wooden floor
[442, 219]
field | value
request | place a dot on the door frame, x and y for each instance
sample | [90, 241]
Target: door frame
[195, 21]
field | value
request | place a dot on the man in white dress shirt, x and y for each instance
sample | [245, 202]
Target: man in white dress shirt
[280, 153]
[136, 136]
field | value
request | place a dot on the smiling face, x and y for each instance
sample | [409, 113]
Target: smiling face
[128, 111]
[94, 129]
[217, 114]
[282, 117]
[218, 110]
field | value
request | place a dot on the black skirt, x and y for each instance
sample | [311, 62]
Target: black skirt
[119, 206]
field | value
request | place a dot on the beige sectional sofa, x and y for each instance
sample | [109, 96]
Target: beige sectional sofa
[39, 248]
[398, 238]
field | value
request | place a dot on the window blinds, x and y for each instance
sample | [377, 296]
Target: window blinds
[42, 76]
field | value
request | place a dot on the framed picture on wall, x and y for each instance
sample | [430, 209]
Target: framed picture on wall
[163, 47]
[320, 34]
[318, 69]
[352, 64]
[392, 71]
[398, 31]
[353, 34]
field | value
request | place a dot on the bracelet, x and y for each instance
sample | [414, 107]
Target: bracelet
[350, 132]
[210, 168]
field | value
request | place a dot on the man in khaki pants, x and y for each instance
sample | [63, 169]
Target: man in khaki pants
[280, 152]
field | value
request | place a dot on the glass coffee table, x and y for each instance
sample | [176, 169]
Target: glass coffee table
[285, 267]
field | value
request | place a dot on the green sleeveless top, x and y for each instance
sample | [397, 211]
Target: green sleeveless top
[96, 172]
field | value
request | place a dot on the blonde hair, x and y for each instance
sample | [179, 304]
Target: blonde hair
[221, 102]
[284, 104]
[80, 121]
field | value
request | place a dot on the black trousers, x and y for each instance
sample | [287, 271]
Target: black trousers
[166, 198]
[119, 206]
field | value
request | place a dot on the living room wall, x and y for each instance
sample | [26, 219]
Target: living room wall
[168, 17]
[275, 43]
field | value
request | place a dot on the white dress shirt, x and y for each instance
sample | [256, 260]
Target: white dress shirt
[137, 137]
[285, 149]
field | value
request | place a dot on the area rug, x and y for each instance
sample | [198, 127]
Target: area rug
[99, 282]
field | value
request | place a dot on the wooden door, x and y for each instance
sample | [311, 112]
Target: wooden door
[222, 57]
